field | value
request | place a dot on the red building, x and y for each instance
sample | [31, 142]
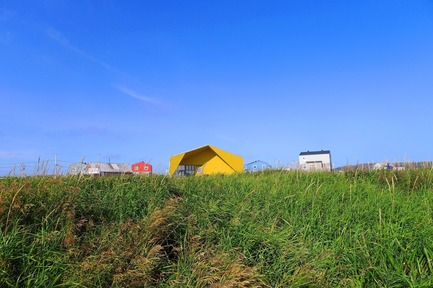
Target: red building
[141, 168]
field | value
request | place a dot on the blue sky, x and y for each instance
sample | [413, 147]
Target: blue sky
[128, 81]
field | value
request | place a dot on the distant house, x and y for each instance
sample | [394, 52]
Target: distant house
[77, 168]
[382, 165]
[315, 160]
[107, 169]
[257, 166]
[387, 166]
[141, 168]
[204, 161]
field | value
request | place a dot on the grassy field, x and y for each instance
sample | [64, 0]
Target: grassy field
[274, 229]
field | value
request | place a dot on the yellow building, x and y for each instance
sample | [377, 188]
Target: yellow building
[204, 161]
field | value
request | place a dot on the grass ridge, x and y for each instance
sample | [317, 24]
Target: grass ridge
[272, 229]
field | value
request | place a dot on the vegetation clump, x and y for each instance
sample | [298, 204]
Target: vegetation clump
[272, 229]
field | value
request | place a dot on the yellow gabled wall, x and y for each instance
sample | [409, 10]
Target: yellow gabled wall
[236, 162]
[175, 162]
[217, 165]
[212, 160]
[199, 158]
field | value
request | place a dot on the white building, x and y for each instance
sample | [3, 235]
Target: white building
[106, 169]
[315, 160]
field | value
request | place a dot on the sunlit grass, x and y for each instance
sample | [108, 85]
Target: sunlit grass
[272, 229]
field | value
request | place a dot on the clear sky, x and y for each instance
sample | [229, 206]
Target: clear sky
[130, 81]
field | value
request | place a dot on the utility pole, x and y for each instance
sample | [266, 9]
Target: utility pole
[23, 168]
[55, 164]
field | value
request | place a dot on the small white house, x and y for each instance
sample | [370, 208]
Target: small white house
[107, 169]
[315, 160]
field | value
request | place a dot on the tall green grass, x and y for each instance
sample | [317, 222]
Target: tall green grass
[272, 229]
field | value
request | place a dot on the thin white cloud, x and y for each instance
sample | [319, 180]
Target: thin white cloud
[80, 132]
[135, 95]
[63, 41]
[5, 14]
[16, 154]
[5, 38]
